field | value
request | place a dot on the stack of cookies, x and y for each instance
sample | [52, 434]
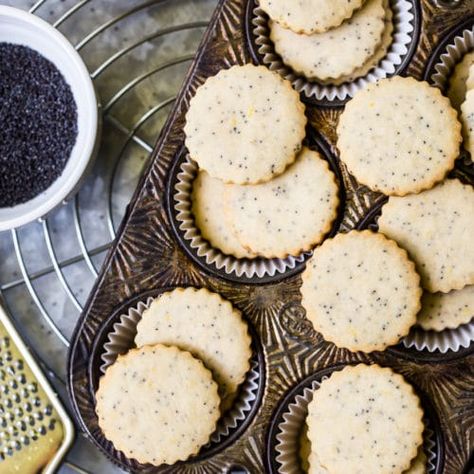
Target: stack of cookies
[245, 128]
[331, 42]
[364, 420]
[362, 290]
[160, 402]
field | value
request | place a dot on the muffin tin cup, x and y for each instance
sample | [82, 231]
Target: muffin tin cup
[244, 270]
[405, 33]
[121, 338]
[240, 267]
[290, 420]
[450, 54]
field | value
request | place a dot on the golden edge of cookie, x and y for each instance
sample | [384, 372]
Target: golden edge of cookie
[421, 186]
[317, 239]
[441, 327]
[403, 383]
[415, 281]
[302, 114]
[192, 290]
[119, 360]
[308, 31]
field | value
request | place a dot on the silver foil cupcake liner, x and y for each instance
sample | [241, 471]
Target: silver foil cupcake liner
[403, 35]
[290, 429]
[121, 339]
[454, 52]
[240, 267]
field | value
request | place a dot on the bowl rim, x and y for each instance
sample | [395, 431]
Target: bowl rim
[88, 146]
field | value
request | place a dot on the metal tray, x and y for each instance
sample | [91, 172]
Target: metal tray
[68, 428]
[150, 253]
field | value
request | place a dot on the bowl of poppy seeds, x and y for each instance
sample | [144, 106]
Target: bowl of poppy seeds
[48, 118]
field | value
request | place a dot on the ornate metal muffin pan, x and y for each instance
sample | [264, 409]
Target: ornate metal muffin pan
[151, 254]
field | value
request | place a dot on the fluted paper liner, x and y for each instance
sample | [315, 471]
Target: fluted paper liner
[121, 339]
[289, 432]
[403, 32]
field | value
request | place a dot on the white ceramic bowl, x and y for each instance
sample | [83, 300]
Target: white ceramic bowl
[20, 27]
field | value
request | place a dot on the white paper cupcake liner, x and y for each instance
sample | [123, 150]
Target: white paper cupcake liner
[403, 35]
[454, 52]
[442, 341]
[121, 339]
[249, 268]
[289, 432]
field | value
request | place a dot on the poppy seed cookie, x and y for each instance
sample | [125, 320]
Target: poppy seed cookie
[467, 118]
[210, 216]
[365, 420]
[320, 56]
[399, 136]
[418, 465]
[457, 82]
[310, 16]
[219, 336]
[245, 125]
[436, 228]
[361, 291]
[288, 215]
[157, 404]
[441, 311]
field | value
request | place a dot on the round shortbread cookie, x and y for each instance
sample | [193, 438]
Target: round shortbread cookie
[361, 291]
[457, 82]
[310, 16]
[320, 56]
[245, 125]
[467, 118]
[157, 404]
[218, 336]
[399, 136]
[436, 228]
[210, 216]
[441, 311]
[380, 52]
[365, 420]
[288, 215]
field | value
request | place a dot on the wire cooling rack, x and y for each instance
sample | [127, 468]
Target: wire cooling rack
[137, 53]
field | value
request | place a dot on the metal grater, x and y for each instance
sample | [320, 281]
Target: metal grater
[35, 431]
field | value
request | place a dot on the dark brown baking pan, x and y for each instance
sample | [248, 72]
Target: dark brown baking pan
[151, 254]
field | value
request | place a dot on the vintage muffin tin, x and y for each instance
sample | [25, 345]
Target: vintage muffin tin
[151, 254]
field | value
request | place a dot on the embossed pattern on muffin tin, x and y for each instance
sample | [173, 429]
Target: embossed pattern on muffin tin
[406, 20]
[150, 255]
